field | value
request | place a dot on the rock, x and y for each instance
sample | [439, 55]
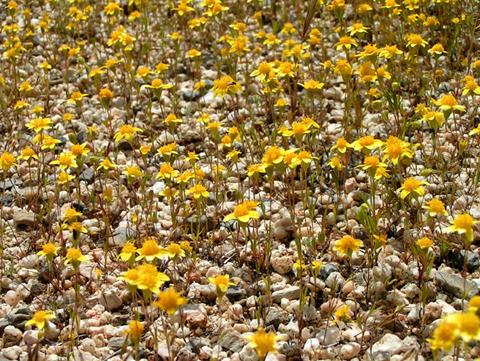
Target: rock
[397, 298]
[327, 269]
[350, 350]
[87, 175]
[350, 185]
[11, 298]
[110, 300]
[116, 343]
[158, 187]
[458, 259]
[329, 336]
[31, 193]
[236, 293]
[438, 309]
[162, 351]
[355, 334]
[30, 337]
[331, 305]
[18, 317]
[248, 354]
[124, 145]
[276, 316]
[121, 234]
[12, 353]
[190, 96]
[385, 348]
[24, 220]
[232, 341]
[334, 280]
[283, 229]
[208, 98]
[290, 293]
[311, 346]
[283, 264]
[208, 292]
[9, 184]
[3, 323]
[333, 94]
[83, 355]
[411, 291]
[164, 138]
[454, 283]
[186, 354]
[195, 315]
[6, 199]
[348, 287]
[52, 332]
[11, 336]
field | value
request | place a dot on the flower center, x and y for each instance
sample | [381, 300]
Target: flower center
[241, 210]
[410, 184]
[150, 247]
[463, 221]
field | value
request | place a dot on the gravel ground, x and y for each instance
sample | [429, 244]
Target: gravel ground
[194, 140]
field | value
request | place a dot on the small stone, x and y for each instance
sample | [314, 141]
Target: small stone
[329, 336]
[31, 193]
[248, 354]
[349, 351]
[355, 334]
[311, 345]
[348, 287]
[411, 291]
[454, 283]
[18, 317]
[110, 300]
[195, 316]
[276, 316]
[385, 348]
[30, 337]
[283, 264]
[290, 293]
[333, 94]
[232, 341]
[458, 259]
[331, 305]
[121, 234]
[189, 95]
[116, 343]
[205, 353]
[87, 175]
[3, 323]
[11, 336]
[83, 355]
[164, 138]
[158, 187]
[12, 353]
[283, 229]
[275, 356]
[208, 291]
[236, 293]
[162, 351]
[327, 269]
[52, 332]
[24, 219]
[350, 185]
[213, 271]
[11, 298]
[335, 280]
[9, 184]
